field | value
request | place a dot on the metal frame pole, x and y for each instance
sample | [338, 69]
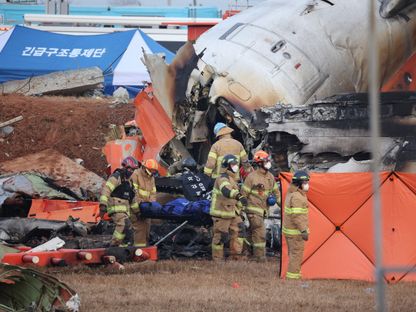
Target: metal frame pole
[374, 99]
[171, 233]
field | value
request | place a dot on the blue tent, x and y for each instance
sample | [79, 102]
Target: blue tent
[26, 52]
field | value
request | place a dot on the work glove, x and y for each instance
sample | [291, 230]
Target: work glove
[305, 235]
[138, 215]
[243, 216]
[103, 209]
[242, 199]
[100, 225]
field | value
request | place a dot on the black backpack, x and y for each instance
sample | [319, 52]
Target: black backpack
[125, 190]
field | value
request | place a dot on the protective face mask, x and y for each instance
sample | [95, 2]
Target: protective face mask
[267, 165]
[305, 187]
[234, 168]
[129, 173]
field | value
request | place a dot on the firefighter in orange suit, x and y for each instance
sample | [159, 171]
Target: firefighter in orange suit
[117, 200]
[225, 145]
[225, 209]
[261, 191]
[144, 185]
[295, 222]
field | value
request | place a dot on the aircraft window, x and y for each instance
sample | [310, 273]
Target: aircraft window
[278, 46]
[231, 30]
[287, 55]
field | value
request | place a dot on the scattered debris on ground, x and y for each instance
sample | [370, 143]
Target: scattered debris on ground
[73, 82]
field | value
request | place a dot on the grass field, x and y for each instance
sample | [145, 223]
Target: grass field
[228, 286]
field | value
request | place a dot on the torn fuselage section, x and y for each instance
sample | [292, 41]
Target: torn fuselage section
[320, 136]
[329, 135]
[336, 130]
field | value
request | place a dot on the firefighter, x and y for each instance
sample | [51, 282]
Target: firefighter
[225, 211]
[117, 199]
[261, 191]
[144, 185]
[295, 222]
[225, 145]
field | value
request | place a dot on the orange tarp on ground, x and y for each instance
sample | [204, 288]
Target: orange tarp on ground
[341, 244]
[61, 210]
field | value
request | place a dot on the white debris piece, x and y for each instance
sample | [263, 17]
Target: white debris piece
[51, 245]
[74, 303]
[121, 96]
[352, 165]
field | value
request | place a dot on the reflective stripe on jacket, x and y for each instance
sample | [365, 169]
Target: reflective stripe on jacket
[223, 203]
[114, 204]
[145, 187]
[224, 146]
[296, 212]
[258, 185]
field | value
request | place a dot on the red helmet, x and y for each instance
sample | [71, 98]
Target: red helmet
[130, 162]
[261, 156]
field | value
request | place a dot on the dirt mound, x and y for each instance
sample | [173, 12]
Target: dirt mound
[73, 126]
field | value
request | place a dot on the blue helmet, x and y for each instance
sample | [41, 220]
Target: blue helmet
[218, 127]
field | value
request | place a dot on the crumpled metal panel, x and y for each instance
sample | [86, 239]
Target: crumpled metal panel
[32, 185]
[339, 125]
[23, 289]
[391, 8]
[36, 231]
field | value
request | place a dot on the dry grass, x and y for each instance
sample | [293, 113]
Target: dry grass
[208, 286]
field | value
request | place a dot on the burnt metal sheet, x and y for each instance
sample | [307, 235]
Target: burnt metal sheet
[26, 289]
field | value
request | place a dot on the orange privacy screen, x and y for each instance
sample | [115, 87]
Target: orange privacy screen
[341, 244]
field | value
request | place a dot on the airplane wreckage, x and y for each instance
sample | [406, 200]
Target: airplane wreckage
[291, 77]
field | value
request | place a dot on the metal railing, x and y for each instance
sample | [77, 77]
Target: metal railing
[158, 28]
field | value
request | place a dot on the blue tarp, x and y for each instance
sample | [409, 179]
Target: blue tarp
[29, 52]
[180, 208]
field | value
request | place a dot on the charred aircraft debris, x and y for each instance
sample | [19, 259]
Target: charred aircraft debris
[25, 289]
[293, 82]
